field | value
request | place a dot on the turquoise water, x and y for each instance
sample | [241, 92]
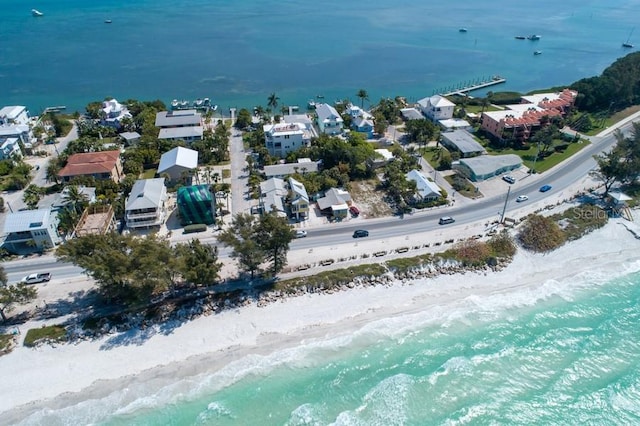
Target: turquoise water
[561, 353]
[237, 53]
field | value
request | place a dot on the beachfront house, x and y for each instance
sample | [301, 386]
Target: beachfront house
[100, 165]
[14, 115]
[145, 205]
[178, 163]
[462, 142]
[298, 199]
[426, 189]
[487, 166]
[29, 230]
[436, 108]
[113, 113]
[283, 138]
[361, 120]
[177, 125]
[272, 192]
[9, 147]
[411, 114]
[329, 121]
[335, 203]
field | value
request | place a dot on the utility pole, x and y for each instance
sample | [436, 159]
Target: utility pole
[504, 208]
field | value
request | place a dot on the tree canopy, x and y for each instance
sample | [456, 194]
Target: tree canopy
[13, 294]
[622, 162]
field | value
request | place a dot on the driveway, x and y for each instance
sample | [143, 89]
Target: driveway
[240, 201]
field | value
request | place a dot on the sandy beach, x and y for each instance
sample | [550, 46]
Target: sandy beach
[66, 374]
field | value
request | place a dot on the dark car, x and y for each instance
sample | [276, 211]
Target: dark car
[545, 188]
[354, 210]
[445, 220]
[359, 233]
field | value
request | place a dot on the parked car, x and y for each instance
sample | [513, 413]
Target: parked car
[36, 278]
[521, 198]
[359, 233]
[545, 188]
[354, 210]
[301, 233]
[509, 179]
[445, 220]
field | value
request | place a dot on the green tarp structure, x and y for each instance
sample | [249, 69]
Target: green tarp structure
[196, 205]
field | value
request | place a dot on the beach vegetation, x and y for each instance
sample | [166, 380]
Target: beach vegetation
[49, 334]
[502, 245]
[541, 234]
[620, 165]
[580, 220]
[331, 279]
[12, 295]
[6, 343]
[198, 263]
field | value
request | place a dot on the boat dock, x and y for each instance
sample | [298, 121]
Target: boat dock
[464, 88]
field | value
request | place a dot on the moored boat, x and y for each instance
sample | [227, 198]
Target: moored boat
[537, 52]
[36, 12]
[521, 38]
[534, 37]
[107, 21]
[462, 30]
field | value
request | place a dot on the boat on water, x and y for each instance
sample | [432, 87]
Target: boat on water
[206, 102]
[311, 105]
[107, 21]
[199, 103]
[174, 104]
[627, 44]
[538, 52]
[462, 30]
[214, 108]
[36, 12]
[534, 37]
[521, 38]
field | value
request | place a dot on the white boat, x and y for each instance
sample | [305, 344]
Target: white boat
[206, 101]
[311, 105]
[174, 103]
[214, 108]
[198, 103]
[538, 52]
[534, 37]
[107, 21]
[36, 12]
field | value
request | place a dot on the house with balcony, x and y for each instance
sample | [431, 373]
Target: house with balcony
[9, 147]
[100, 165]
[145, 206]
[329, 121]
[562, 101]
[361, 120]
[29, 230]
[436, 108]
[14, 115]
[298, 199]
[283, 138]
[113, 113]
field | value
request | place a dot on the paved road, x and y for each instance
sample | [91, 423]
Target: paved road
[479, 211]
[239, 179]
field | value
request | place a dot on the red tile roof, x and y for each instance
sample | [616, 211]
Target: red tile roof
[90, 163]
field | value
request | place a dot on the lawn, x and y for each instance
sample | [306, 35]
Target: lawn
[149, 174]
[430, 154]
[477, 109]
[541, 165]
[470, 190]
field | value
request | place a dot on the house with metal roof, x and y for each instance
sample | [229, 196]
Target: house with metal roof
[272, 192]
[298, 199]
[100, 165]
[487, 166]
[178, 118]
[187, 134]
[426, 189]
[329, 121]
[302, 166]
[196, 205]
[436, 108]
[411, 114]
[130, 138]
[145, 205]
[178, 161]
[14, 115]
[27, 230]
[335, 202]
[463, 142]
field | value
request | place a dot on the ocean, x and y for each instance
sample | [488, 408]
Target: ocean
[563, 352]
[237, 53]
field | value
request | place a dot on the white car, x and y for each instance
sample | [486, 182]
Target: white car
[522, 198]
[301, 234]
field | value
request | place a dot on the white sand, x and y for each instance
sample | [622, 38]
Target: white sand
[32, 376]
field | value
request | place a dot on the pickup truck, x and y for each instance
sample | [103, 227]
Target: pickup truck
[36, 278]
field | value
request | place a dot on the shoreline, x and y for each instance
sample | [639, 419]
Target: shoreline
[216, 343]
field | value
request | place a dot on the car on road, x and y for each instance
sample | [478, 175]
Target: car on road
[359, 233]
[545, 188]
[445, 220]
[354, 210]
[36, 278]
[301, 233]
[521, 198]
[509, 179]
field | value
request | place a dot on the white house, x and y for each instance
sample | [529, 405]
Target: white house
[178, 118]
[187, 134]
[22, 132]
[426, 189]
[14, 115]
[9, 147]
[283, 138]
[335, 202]
[302, 166]
[113, 112]
[329, 121]
[178, 161]
[145, 206]
[31, 229]
[436, 108]
[271, 193]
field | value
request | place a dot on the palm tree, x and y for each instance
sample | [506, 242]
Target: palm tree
[272, 101]
[53, 168]
[362, 94]
[73, 195]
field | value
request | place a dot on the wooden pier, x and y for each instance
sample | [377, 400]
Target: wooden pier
[465, 88]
